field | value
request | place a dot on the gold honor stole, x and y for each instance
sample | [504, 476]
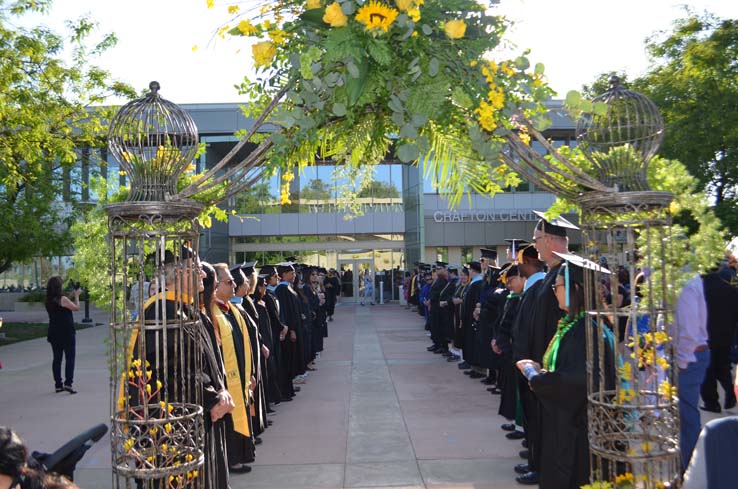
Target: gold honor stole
[233, 376]
[169, 295]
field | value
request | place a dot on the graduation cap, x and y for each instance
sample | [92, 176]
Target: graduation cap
[238, 277]
[476, 266]
[528, 251]
[248, 267]
[186, 252]
[441, 264]
[488, 253]
[556, 227]
[573, 270]
[285, 267]
[504, 272]
[322, 270]
[512, 271]
[465, 269]
[515, 244]
[453, 268]
[267, 270]
[291, 259]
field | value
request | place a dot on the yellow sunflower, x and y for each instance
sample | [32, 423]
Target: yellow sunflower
[375, 15]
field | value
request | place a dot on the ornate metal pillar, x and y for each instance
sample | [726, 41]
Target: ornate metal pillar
[155, 355]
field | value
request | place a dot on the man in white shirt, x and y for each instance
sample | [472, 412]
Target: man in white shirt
[693, 357]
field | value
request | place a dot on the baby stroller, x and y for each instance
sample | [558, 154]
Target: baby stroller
[64, 460]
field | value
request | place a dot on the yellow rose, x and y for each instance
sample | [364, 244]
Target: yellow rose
[313, 4]
[334, 15]
[264, 52]
[454, 29]
[404, 5]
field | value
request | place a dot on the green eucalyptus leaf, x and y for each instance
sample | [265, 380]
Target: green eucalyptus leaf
[347, 8]
[398, 118]
[433, 66]
[419, 120]
[539, 69]
[339, 109]
[573, 99]
[408, 152]
[408, 131]
[427, 30]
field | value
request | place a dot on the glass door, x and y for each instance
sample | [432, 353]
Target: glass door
[346, 269]
[366, 281]
[355, 275]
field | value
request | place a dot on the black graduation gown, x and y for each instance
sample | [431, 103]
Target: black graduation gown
[507, 380]
[271, 385]
[216, 463]
[284, 383]
[563, 395]
[544, 316]
[435, 313]
[494, 302]
[251, 317]
[241, 448]
[468, 323]
[447, 312]
[332, 289]
[290, 313]
[315, 317]
[458, 334]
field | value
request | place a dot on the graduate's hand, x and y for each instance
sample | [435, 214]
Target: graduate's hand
[293, 336]
[457, 301]
[252, 384]
[496, 348]
[443, 303]
[265, 351]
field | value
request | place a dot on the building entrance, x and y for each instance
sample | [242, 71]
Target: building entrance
[354, 276]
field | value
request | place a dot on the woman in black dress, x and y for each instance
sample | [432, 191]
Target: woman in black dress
[61, 333]
[561, 382]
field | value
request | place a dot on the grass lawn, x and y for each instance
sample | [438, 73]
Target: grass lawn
[15, 332]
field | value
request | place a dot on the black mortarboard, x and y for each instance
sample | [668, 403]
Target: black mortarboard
[186, 252]
[528, 251]
[476, 266]
[453, 268]
[322, 270]
[267, 270]
[512, 271]
[488, 253]
[169, 257]
[556, 227]
[515, 244]
[238, 277]
[441, 264]
[573, 270]
[248, 267]
[291, 259]
[465, 269]
[285, 267]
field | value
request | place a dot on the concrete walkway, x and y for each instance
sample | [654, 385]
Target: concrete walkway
[379, 412]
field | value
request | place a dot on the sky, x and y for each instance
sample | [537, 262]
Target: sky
[575, 39]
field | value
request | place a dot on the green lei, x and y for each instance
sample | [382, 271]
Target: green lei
[512, 295]
[552, 352]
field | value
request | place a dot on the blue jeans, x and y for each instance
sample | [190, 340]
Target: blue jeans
[690, 380]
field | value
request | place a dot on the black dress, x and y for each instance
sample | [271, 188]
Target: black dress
[63, 339]
[563, 396]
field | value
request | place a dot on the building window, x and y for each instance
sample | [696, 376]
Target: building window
[467, 254]
[442, 254]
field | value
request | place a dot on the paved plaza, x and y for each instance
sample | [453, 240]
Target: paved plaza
[379, 411]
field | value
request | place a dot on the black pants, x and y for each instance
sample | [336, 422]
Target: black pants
[531, 423]
[67, 349]
[717, 371]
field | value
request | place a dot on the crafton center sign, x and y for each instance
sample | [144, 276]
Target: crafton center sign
[485, 215]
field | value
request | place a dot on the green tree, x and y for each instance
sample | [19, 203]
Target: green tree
[694, 82]
[316, 190]
[379, 190]
[46, 121]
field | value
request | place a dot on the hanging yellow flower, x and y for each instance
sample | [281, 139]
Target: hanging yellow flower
[334, 15]
[233, 9]
[312, 4]
[247, 28]
[454, 29]
[278, 36]
[210, 3]
[486, 116]
[404, 5]
[375, 15]
[264, 52]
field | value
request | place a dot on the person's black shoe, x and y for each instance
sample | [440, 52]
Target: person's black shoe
[524, 443]
[69, 389]
[270, 410]
[296, 389]
[508, 427]
[730, 403]
[524, 454]
[453, 358]
[447, 354]
[713, 408]
[515, 435]
[269, 422]
[439, 350]
[464, 366]
[522, 469]
[239, 469]
[495, 391]
[529, 479]
[487, 381]
[432, 348]
[59, 389]
[258, 441]
[475, 375]
[286, 399]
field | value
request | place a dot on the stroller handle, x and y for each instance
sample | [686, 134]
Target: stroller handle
[86, 438]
